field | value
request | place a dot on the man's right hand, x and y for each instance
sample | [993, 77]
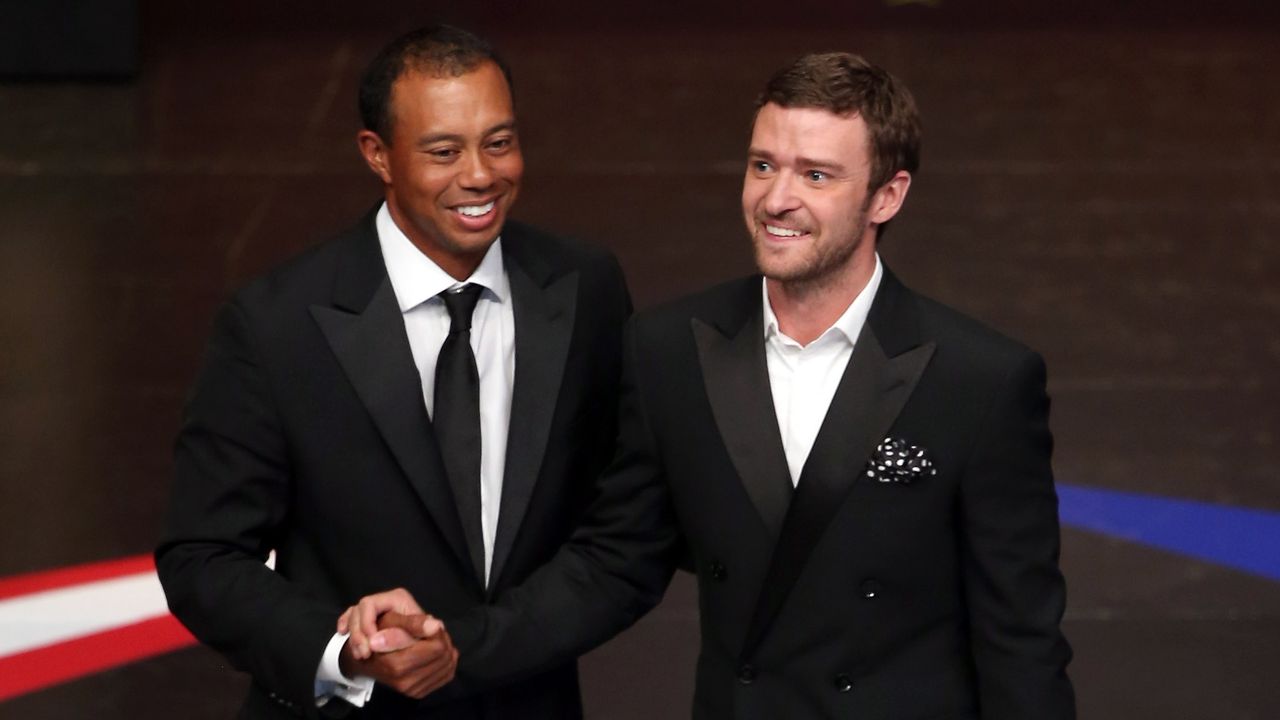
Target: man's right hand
[411, 653]
[361, 622]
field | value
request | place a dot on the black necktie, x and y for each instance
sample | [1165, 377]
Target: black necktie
[457, 416]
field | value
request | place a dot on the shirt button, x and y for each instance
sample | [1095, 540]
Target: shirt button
[870, 589]
[843, 683]
[746, 674]
[718, 571]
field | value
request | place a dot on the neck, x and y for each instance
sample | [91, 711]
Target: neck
[458, 265]
[459, 268]
[807, 308]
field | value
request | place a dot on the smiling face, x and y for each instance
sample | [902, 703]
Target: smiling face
[452, 166]
[805, 195]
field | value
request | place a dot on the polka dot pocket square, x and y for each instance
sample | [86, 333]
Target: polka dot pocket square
[896, 461]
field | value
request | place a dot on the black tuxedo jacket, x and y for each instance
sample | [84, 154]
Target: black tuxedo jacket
[846, 597]
[306, 433]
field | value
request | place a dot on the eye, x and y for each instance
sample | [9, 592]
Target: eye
[501, 144]
[443, 154]
[760, 166]
[815, 176]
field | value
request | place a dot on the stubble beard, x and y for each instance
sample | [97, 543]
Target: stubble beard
[818, 265]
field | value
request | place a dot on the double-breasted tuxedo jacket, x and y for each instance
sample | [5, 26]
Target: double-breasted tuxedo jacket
[847, 596]
[307, 433]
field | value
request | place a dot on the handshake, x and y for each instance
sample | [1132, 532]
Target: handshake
[395, 642]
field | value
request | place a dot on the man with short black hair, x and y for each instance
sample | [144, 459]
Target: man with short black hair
[422, 402]
[861, 476]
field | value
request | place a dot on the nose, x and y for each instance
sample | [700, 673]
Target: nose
[476, 174]
[779, 197]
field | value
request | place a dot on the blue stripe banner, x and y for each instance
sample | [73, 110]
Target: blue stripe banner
[1245, 539]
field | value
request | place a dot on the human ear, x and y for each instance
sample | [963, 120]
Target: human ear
[374, 151]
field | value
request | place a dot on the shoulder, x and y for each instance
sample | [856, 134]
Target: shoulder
[726, 307]
[546, 259]
[727, 298]
[952, 325]
[533, 245]
[970, 350]
[312, 276]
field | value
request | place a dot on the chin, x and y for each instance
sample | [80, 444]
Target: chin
[777, 268]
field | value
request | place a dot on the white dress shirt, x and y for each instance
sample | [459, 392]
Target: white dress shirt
[804, 378]
[417, 282]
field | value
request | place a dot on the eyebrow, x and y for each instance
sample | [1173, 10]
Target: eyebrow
[426, 140]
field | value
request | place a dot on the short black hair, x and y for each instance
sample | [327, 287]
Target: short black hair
[438, 50]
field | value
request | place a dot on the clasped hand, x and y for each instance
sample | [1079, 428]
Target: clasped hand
[397, 644]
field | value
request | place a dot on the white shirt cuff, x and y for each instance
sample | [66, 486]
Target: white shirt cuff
[331, 683]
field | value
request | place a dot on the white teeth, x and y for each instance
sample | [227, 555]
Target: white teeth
[782, 232]
[475, 210]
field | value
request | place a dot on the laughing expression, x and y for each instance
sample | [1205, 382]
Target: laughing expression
[805, 196]
[452, 168]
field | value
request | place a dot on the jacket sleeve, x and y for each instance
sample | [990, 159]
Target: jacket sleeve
[231, 497]
[1015, 592]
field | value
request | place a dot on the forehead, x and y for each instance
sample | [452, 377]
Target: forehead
[478, 98]
[811, 133]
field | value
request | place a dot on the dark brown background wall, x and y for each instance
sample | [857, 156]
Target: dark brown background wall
[1101, 182]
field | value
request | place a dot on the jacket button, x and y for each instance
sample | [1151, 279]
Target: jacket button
[843, 683]
[746, 674]
[718, 571]
[870, 589]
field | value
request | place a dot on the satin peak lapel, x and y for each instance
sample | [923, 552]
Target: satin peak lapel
[544, 327]
[869, 398]
[737, 380]
[373, 349]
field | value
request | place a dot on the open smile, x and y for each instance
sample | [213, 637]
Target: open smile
[475, 211]
[778, 231]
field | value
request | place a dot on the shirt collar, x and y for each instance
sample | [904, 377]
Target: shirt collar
[850, 322]
[415, 278]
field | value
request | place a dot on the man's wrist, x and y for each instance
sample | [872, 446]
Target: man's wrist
[333, 681]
